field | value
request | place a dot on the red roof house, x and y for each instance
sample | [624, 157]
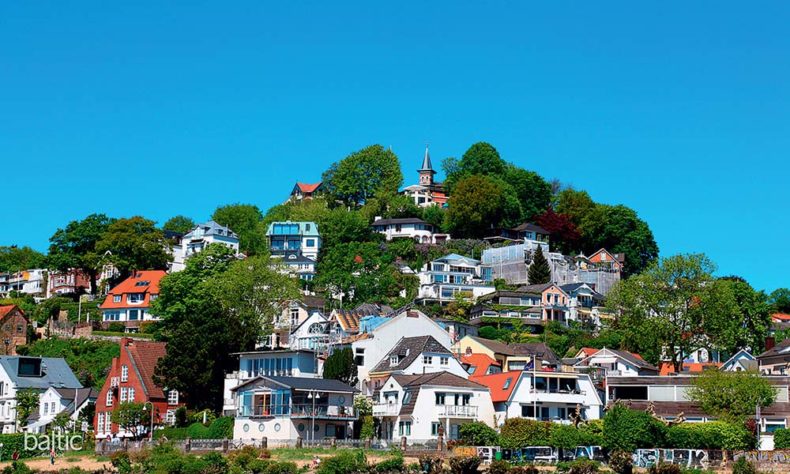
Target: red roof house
[500, 385]
[129, 302]
[480, 364]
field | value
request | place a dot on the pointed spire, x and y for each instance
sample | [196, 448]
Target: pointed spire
[426, 162]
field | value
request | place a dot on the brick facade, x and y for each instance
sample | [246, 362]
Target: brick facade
[13, 329]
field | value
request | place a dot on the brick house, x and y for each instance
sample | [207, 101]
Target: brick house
[13, 328]
[130, 301]
[131, 380]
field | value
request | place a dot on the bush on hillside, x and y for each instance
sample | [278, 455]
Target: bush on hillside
[744, 466]
[627, 429]
[621, 462]
[569, 436]
[464, 464]
[520, 432]
[499, 467]
[346, 462]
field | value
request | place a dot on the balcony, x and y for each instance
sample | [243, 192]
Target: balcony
[560, 396]
[386, 409]
[457, 411]
[327, 412]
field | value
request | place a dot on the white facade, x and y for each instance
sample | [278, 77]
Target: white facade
[29, 282]
[612, 363]
[553, 398]
[443, 279]
[199, 238]
[435, 405]
[410, 228]
[52, 402]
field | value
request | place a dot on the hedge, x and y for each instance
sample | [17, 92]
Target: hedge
[520, 432]
[628, 430]
[711, 435]
[782, 439]
[221, 428]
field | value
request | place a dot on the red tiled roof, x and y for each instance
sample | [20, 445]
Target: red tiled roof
[308, 188]
[130, 285]
[481, 363]
[668, 368]
[144, 356]
[496, 384]
[5, 310]
[588, 351]
[781, 317]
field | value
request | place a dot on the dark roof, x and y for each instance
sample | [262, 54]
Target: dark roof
[539, 288]
[507, 294]
[302, 383]
[371, 309]
[780, 350]
[407, 350]
[497, 346]
[82, 394]
[444, 379]
[296, 257]
[314, 302]
[55, 372]
[637, 361]
[401, 220]
[534, 348]
[528, 226]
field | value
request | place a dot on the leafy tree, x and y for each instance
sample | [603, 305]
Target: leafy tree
[780, 300]
[477, 433]
[364, 174]
[436, 216]
[359, 271]
[26, 404]
[563, 234]
[731, 396]
[577, 205]
[675, 304]
[75, 246]
[533, 192]
[180, 224]
[480, 204]
[340, 366]
[517, 433]
[391, 206]
[480, 159]
[131, 416]
[753, 321]
[13, 258]
[539, 270]
[134, 244]
[618, 229]
[340, 226]
[245, 221]
[626, 429]
[61, 422]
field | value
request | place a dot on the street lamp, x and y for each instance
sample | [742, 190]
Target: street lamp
[312, 395]
[151, 429]
[534, 383]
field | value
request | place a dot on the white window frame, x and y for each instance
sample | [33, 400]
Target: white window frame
[124, 373]
[427, 360]
[108, 398]
[130, 395]
[123, 394]
[170, 417]
[172, 397]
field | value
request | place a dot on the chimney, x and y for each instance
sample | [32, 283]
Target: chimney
[770, 343]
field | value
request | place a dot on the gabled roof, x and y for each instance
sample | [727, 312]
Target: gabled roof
[781, 349]
[211, 228]
[571, 287]
[146, 281]
[441, 379]
[399, 220]
[481, 363]
[55, 372]
[348, 319]
[781, 317]
[619, 257]
[634, 359]
[498, 384]
[291, 258]
[81, 394]
[144, 355]
[302, 384]
[742, 354]
[528, 226]
[454, 257]
[5, 310]
[308, 188]
[538, 288]
[534, 348]
[407, 350]
[497, 347]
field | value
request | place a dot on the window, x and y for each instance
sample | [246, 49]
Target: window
[444, 360]
[116, 298]
[172, 397]
[123, 394]
[153, 297]
[404, 428]
[134, 314]
[427, 360]
[170, 417]
[359, 358]
[108, 398]
[440, 397]
[100, 422]
[294, 316]
[393, 360]
[130, 397]
[124, 373]
[107, 423]
[310, 243]
[471, 369]
[507, 383]
[435, 429]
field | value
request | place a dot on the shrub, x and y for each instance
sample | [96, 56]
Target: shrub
[629, 430]
[120, 461]
[499, 467]
[520, 432]
[664, 468]
[568, 437]
[711, 435]
[259, 466]
[283, 467]
[244, 456]
[346, 462]
[17, 468]
[198, 431]
[390, 464]
[181, 417]
[621, 462]
[782, 439]
[116, 327]
[216, 463]
[464, 464]
[526, 469]
[743, 466]
[221, 428]
[583, 466]
[478, 433]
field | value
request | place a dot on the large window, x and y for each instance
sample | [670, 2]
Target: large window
[404, 428]
[108, 398]
[172, 397]
[124, 373]
[134, 298]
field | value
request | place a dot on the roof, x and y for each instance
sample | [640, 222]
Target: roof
[781, 349]
[497, 347]
[454, 257]
[481, 363]
[55, 373]
[303, 383]
[291, 258]
[308, 188]
[667, 368]
[5, 310]
[211, 228]
[146, 281]
[743, 356]
[528, 226]
[570, 287]
[442, 379]
[783, 317]
[535, 348]
[407, 350]
[370, 309]
[587, 351]
[144, 355]
[347, 319]
[400, 220]
[426, 161]
[498, 386]
[634, 359]
[82, 395]
[539, 288]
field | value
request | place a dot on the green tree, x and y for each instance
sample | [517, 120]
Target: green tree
[480, 204]
[245, 221]
[731, 396]
[13, 258]
[340, 366]
[360, 271]
[179, 224]
[26, 404]
[780, 300]
[75, 246]
[577, 205]
[131, 416]
[134, 244]
[539, 271]
[618, 229]
[750, 327]
[340, 226]
[480, 159]
[372, 171]
[533, 192]
[626, 429]
[675, 305]
[517, 433]
[436, 216]
[477, 433]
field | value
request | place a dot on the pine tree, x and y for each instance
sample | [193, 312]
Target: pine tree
[539, 272]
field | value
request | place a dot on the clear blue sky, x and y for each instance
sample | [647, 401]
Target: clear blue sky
[677, 109]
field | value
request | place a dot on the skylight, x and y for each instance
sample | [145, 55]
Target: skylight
[142, 283]
[507, 383]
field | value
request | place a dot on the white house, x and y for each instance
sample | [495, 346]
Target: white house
[420, 407]
[312, 334]
[610, 362]
[199, 238]
[583, 302]
[294, 237]
[57, 400]
[408, 228]
[370, 347]
[34, 373]
[545, 396]
[742, 361]
[416, 355]
[287, 408]
[442, 279]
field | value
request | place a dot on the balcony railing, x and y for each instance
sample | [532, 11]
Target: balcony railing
[458, 411]
[298, 411]
[386, 409]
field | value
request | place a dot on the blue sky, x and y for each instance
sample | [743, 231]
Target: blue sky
[678, 109]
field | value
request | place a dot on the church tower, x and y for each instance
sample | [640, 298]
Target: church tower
[426, 172]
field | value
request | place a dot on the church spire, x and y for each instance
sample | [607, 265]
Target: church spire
[426, 162]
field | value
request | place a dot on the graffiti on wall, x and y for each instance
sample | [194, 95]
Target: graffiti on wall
[693, 458]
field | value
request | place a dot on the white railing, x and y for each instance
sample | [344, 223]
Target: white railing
[386, 409]
[461, 411]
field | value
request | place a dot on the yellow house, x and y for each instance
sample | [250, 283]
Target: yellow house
[510, 356]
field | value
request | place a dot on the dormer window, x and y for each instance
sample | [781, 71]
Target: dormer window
[393, 360]
[116, 298]
[134, 298]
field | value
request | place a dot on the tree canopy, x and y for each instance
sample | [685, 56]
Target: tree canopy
[74, 246]
[134, 244]
[731, 396]
[367, 173]
[340, 366]
[13, 258]
[539, 271]
[179, 224]
[245, 221]
[480, 204]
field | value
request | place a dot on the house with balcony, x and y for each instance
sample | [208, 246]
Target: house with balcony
[277, 363]
[29, 282]
[421, 407]
[297, 244]
[542, 395]
[554, 301]
[131, 379]
[295, 312]
[408, 228]
[504, 307]
[130, 301]
[200, 237]
[776, 360]
[29, 373]
[416, 355]
[584, 303]
[453, 275]
[68, 282]
[603, 363]
[604, 258]
[286, 408]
